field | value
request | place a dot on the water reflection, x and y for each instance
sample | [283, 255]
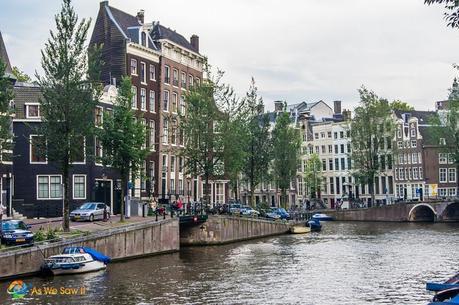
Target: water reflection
[355, 263]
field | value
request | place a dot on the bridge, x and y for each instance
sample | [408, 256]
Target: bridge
[440, 211]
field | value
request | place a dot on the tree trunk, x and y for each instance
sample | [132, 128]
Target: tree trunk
[124, 193]
[66, 194]
[207, 193]
[371, 188]
[252, 194]
[235, 190]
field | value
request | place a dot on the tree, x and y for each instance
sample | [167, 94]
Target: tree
[313, 175]
[452, 11]
[6, 95]
[203, 152]
[371, 130]
[258, 148]
[286, 147]
[21, 76]
[68, 99]
[123, 138]
[402, 106]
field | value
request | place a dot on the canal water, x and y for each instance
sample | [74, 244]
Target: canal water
[346, 263]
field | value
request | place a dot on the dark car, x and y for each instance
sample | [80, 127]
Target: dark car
[281, 212]
[15, 232]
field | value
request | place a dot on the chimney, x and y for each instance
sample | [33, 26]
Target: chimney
[278, 106]
[337, 107]
[194, 40]
[141, 16]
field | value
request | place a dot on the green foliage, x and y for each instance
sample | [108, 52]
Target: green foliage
[371, 130]
[68, 97]
[399, 105]
[123, 138]
[40, 235]
[6, 95]
[51, 234]
[452, 11]
[313, 175]
[258, 147]
[21, 76]
[286, 147]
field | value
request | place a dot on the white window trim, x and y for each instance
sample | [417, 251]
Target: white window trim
[27, 111]
[102, 118]
[455, 175]
[97, 157]
[446, 175]
[143, 107]
[30, 150]
[136, 95]
[49, 187]
[168, 100]
[149, 101]
[176, 102]
[149, 72]
[136, 67]
[84, 153]
[144, 80]
[73, 186]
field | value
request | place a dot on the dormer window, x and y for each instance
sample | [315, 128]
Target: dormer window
[413, 132]
[32, 111]
[144, 39]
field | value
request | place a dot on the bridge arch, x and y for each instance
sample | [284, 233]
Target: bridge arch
[451, 212]
[422, 212]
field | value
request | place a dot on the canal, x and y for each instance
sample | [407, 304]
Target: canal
[346, 263]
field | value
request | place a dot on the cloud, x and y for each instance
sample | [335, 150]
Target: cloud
[296, 50]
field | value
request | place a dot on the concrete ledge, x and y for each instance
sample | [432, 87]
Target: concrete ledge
[121, 243]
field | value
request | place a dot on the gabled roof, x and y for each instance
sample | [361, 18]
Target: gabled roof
[423, 116]
[123, 20]
[161, 32]
[4, 57]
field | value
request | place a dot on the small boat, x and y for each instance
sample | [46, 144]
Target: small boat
[299, 229]
[322, 217]
[447, 293]
[314, 224]
[76, 260]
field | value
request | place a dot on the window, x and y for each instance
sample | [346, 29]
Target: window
[98, 117]
[143, 173]
[399, 132]
[143, 99]
[175, 80]
[49, 187]
[400, 144]
[452, 192]
[190, 81]
[98, 149]
[32, 111]
[172, 185]
[413, 132]
[37, 149]
[415, 173]
[450, 158]
[414, 143]
[152, 72]
[317, 149]
[336, 149]
[174, 132]
[316, 136]
[343, 164]
[152, 101]
[349, 163]
[164, 163]
[324, 165]
[336, 164]
[174, 102]
[79, 186]
[323, 149]
[420, 173]
[330, 164]
[144, 125]
[143, 72]
[322, 135]
[443, 177]
[152, 136]
[133, 67]
[329, 134]
[197, 81]
[219, 193]
[341, 134]
[342, 148]
[167, 74]
[442, 141]
[337, 185]
[144, 39]
[80, 154]
[134, 97]
[166, 101]
[332, 188]
[152, 174]
[414, 157]
[183, 79]
[442, 158]
[451, 175]
[182, 105]
[335, 135]
[165, 131]
[180, 164]
[172, 164]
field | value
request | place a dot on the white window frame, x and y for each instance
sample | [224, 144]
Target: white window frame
[414, 143]
[30, 151]
[134, 97]
[143, 99]
[152, 102]
[152, 135]
[27, 116]
[183, 83]
[73, 186]
[166, 93]
[95, 151]
[440, 170]
[442, 158]
[452, 170]
[167, 69]
[144, 78]
[136, 67]
[84, 153]
[152, 68]
[174, 102]
[49, 187]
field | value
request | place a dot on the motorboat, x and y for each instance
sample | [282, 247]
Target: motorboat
[299, 229]
[322, 217]
[447, 293]
[76, 260]
[314, 224]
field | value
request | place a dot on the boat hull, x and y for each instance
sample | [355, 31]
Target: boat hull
[87, 267]
[299, 230]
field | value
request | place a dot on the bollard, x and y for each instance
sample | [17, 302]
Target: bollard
[156, 216]
[164, 215]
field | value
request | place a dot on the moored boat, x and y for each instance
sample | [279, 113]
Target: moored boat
[314, 224]
[447, 293]
[322, 217]
[299, 229]
[76, 260]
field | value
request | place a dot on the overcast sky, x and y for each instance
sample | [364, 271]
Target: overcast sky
[297, 50]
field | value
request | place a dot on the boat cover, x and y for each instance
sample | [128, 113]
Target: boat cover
[95, 255]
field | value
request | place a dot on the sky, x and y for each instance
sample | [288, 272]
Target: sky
[297, 50]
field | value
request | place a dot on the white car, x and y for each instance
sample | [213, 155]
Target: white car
[90, 211]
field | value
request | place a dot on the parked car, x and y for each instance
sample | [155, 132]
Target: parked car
[281, 212]
[249, 211]
[235, 208]
[15, 232]
[272, 215]
[90, 211]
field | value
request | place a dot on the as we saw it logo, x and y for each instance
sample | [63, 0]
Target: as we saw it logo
[17, 289]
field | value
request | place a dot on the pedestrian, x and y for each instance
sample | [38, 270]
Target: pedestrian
[2, 210]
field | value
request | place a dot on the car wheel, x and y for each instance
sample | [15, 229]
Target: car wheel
[91, 217]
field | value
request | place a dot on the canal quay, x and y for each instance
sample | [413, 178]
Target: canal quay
[349, 262]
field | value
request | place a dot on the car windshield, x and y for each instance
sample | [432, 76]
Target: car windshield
[8, 226]
[88, 206]
[282, 210]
